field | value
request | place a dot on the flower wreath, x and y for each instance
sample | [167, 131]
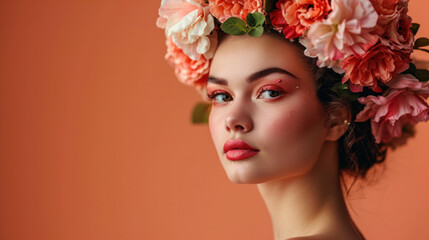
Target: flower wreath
[369, 42]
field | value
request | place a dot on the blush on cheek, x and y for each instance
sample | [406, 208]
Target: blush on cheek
[287, 122]
[212, 127]
[215, 127]
[296, 122]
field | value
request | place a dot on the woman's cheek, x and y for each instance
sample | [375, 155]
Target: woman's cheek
[215, 126]
[293, 121]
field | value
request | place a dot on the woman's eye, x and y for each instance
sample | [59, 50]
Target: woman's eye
[269, 94]
[220, 97]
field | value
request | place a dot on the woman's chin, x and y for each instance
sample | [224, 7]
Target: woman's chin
[247, 175]
[250, 177]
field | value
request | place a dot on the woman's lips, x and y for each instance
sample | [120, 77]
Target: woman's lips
[237, 149]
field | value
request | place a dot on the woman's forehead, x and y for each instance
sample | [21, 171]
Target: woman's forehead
[241, 56]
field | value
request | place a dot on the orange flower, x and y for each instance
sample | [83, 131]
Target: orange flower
[299, 15]
[188, 71]
[380, 63]
[224, 9]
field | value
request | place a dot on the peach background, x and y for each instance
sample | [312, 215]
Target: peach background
[96, 141]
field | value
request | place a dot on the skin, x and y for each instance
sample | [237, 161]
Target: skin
[277, 112]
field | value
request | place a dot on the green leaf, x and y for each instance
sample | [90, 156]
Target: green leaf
[340, 86]
[234, 26]
[422, 75]
[344, 92]
[251, 21]
[415, 28]
[201, 112]
[259, 17]
[257, 31]
[269, 5]
[421, 42]
[255, 19]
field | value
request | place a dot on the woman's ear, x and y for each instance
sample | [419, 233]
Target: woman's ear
[338, 122]
[335, 132]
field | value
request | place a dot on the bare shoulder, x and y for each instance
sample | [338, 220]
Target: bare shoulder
[326, 237]
[314, 237]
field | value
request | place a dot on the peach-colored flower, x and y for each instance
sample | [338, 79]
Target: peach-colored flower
[385, 7]
[404, 104]
[394, 24]
[224, 9]
[188, 71]
[398, 32]
[298, 15]
[188, 23]
[379, 63]
[345, 32]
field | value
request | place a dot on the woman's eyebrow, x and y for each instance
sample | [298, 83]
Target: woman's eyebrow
[253, 77]
[268, 71]
[216, 80]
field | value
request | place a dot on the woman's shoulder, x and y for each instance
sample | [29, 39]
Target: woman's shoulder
[324, 237]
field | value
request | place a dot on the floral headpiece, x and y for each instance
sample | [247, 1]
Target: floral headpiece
[369, 42]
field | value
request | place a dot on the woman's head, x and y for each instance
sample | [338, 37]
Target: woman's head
[376, 93]
[264, 93]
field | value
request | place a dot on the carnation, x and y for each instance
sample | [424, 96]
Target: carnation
[188, 71]
[188, 23]
[346, 31]
[403, 104]
[224, 9]
[293, 17]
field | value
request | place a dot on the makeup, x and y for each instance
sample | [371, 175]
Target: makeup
[237, 149]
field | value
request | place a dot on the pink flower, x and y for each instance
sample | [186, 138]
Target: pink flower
[379, 63]
[394, 24]
[404, 104]
[293, 17]
[224, 9]
[188, 71]
[346, 31]
[385, 8]
[188, 23]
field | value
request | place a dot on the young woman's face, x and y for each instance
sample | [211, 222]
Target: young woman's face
[266, 120]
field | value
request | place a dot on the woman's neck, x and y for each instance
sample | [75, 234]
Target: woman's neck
[311, 204]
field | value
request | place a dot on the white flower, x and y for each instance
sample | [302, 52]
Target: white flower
[346, 31]
[188, 23]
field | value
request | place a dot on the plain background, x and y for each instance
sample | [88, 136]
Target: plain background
[96, 140]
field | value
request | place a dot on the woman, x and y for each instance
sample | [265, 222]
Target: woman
[316, 89]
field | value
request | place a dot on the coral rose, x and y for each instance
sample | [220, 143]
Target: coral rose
[188, 71]
[224, 9]
[346, 31]
[379, 63]
[404, 104]
[188, 23]
[293, 17]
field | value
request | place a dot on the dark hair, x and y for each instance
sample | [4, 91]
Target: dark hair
[357, 149]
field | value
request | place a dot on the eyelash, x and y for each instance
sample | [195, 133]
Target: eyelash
[213, 96]
[272, 89]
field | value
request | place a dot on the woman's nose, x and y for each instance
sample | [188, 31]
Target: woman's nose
[239, 120]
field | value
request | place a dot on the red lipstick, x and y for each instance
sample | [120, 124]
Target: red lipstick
[237, 149]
